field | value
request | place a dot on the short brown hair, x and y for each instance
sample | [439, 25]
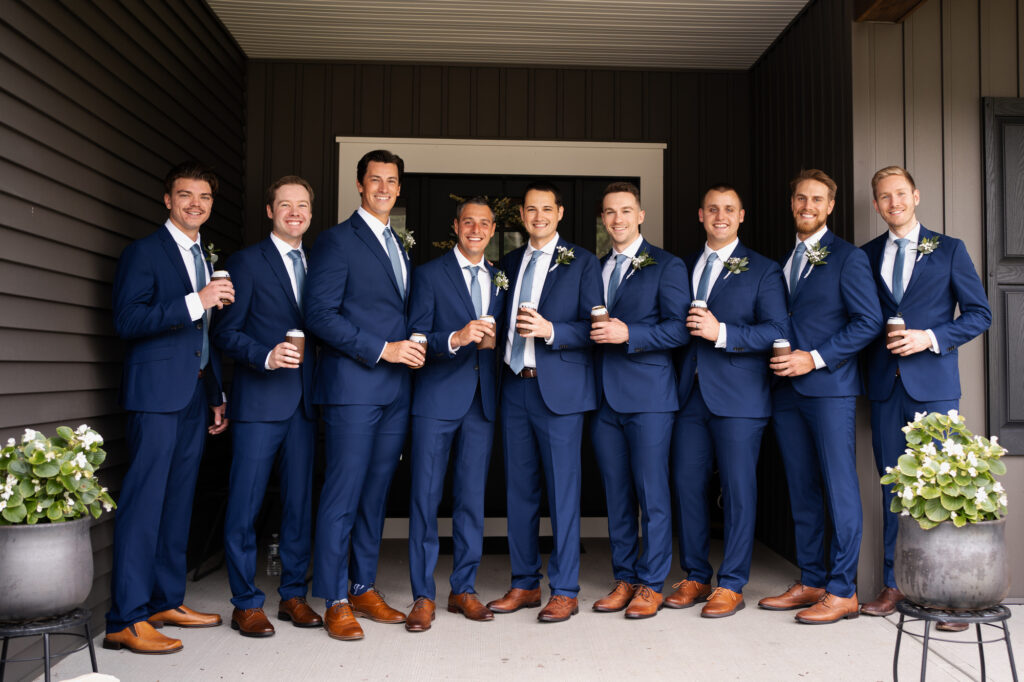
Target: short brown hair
[720, 187]
[886, 172]
[616, 187]
[190, 170]
[473, 201]
[288, 180]
[379, 156]
[816, 175]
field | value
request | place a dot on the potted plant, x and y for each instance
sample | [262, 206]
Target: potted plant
[951, 549]
[48, 490]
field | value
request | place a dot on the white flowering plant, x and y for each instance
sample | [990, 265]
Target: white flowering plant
[947, 473]
[52, 479]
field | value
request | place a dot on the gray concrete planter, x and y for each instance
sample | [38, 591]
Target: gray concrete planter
[953, 568]
[45, 569]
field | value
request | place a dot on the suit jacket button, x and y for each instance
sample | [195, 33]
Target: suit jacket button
[199, 354]
[791, 313]
[476, 368]
[199, 325]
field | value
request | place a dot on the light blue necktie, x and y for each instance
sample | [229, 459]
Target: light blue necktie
[525, 294]
[474, 289]
[300, 274]
[197, 256]
[705, 277]
[897, 269]
[615, 277]
[794, 267]
[396, 260]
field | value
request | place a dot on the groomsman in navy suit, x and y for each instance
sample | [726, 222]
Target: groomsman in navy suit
[725, 401]
[455, 400]
[548, 386]
[163, 298]
[271, 407]
[646, 296]
[834, 314]
[921, 276]
[355, 304]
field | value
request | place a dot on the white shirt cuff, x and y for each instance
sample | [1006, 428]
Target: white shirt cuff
[382, 351]
[720, 342]
[195, 306]
[551, 339]
[935, 341]
[266, 363]
[818, 362]
[451, 350]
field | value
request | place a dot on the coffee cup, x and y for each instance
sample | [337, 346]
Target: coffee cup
[488, 341]
[697, 303]
[525, 305]
[221, 274]
[599, 313]
[421, 339]
[297, 338]
[895, 324]
[780, 347]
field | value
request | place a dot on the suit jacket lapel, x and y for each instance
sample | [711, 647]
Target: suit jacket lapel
[808, 269]
[273, 257]
[454, 272]
[919, 265]
[725, 276]
[174, 256]
[367, 236]
[492, 272]
[552, 274]
[876, 255]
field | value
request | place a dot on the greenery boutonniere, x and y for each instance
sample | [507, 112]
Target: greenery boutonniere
[563, 256]
[926, 246]
[816, 254]
[736, 265]
[642, 260]
[212, 254]
[500, 280]
[408, 241]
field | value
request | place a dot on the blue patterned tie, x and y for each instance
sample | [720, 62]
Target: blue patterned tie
[794, 267]
[197, 256]
[897, 269]
[518, 361]
[474, 289]
[615, 277]
[300, 274]
[396, 260]
[705, 277]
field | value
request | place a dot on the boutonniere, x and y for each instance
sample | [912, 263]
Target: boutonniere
[816, 255]
[736, 265]
[642, 260]
[926, 246]
[408, 241]
[563, 256]
[500, 280]
[211, 254]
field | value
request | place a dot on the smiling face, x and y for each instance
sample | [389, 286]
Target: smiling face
[474, 228]
[540, 213]
[291, 212]
[379, 189]
[811, 207]
[896, 201]
[622, 217]
[189, 204]
[721, 214]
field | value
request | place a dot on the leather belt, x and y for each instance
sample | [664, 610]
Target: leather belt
[528, 373]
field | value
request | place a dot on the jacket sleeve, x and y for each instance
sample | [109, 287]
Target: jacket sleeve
[975, 314]
[864, 314]
[138, 312]
[673, 301]
[228, 331]
[771, 313]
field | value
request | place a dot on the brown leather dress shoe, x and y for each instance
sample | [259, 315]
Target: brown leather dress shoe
[141, 638]
[340, 623]
[559, 608]
[468, 604]
[646, 603]
[798, 596]
[687, 593]
[299, 613]
[952, 627]
[371, 604]
[617, 599]
[722, 602]
[516, 599]
[830, 609]
[184, 617]
[884, 604]
[421, 616]
[251, 623]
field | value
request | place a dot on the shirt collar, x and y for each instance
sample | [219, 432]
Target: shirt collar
[181, 239]
[282, 246]
[913, 236]
[548, 248]
[377, 226]
[816, 237]
[631, 249]
[464, 262]
[724, 253]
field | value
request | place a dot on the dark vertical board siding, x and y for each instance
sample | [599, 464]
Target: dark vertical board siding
[402, 95]
[516, 111]
[544, 104]
[573, 98]
[96, 108]
[459, 92]
[371, 100]
[430, 101]
[601, 103]
[487, 103]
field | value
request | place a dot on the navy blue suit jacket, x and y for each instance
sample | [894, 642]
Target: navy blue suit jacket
[162, 343]
[940, 281]
[246, 331]
[834, 311]
[352, 304]
[565, 369]
[639, 376]
[444, 387]
[752, 304]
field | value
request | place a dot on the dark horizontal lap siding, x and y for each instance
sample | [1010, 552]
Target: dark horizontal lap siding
[97, 101]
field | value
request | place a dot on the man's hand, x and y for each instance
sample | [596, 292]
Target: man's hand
[609, 331]
[796, 364]
[212, 294]
[405, 353]
[220, 422]
[702, 324]
[530, 323]
[908, 341]
[474, 332]
[284, 355]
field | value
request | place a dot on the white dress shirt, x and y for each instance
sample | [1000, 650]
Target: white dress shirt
[482, 277]
[540, 273]
[606, 271]
[813, 239]
[724, 254]
[284, 248]
[377, 227]
[195, 306]
[909, 259]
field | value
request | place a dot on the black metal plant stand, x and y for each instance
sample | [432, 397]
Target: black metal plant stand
[47, 627]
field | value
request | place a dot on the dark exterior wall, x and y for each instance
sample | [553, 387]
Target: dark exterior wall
[98, 100]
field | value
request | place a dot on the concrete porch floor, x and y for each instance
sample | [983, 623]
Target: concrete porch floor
[752, 645]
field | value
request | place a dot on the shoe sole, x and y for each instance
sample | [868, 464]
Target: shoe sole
[117, 646]
[691, 604]
[456, 609]
[161, 623]
[740, 607]
[848, 616]
[641, 616]
[527, 605]
[806, 605]
[361, 614]
[418, 628]
[558, 620]
[281, 615]
[877, 614]
[603, 609]
[245, 633]
[345, 638]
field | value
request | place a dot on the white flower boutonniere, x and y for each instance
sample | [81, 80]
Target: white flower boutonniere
[816, 255]
[212, 254]
[563, 256]
[736, 265]
[642, 260]
[408, 241]
[500, 280]
[926, 246]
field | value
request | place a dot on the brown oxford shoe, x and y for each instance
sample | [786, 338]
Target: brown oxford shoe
[299, 613]
[421, 616]
[798, 596]
[184, 617]
[952, 627]
[617, 599]
[468, 604]
[516, 599]
[646, 603]
[251, 623]
[340, 623]
[830, 609]
[687, 593]
[884, 604]
[141, 638]
[559, 608]
[722, 602]
[371, 604]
